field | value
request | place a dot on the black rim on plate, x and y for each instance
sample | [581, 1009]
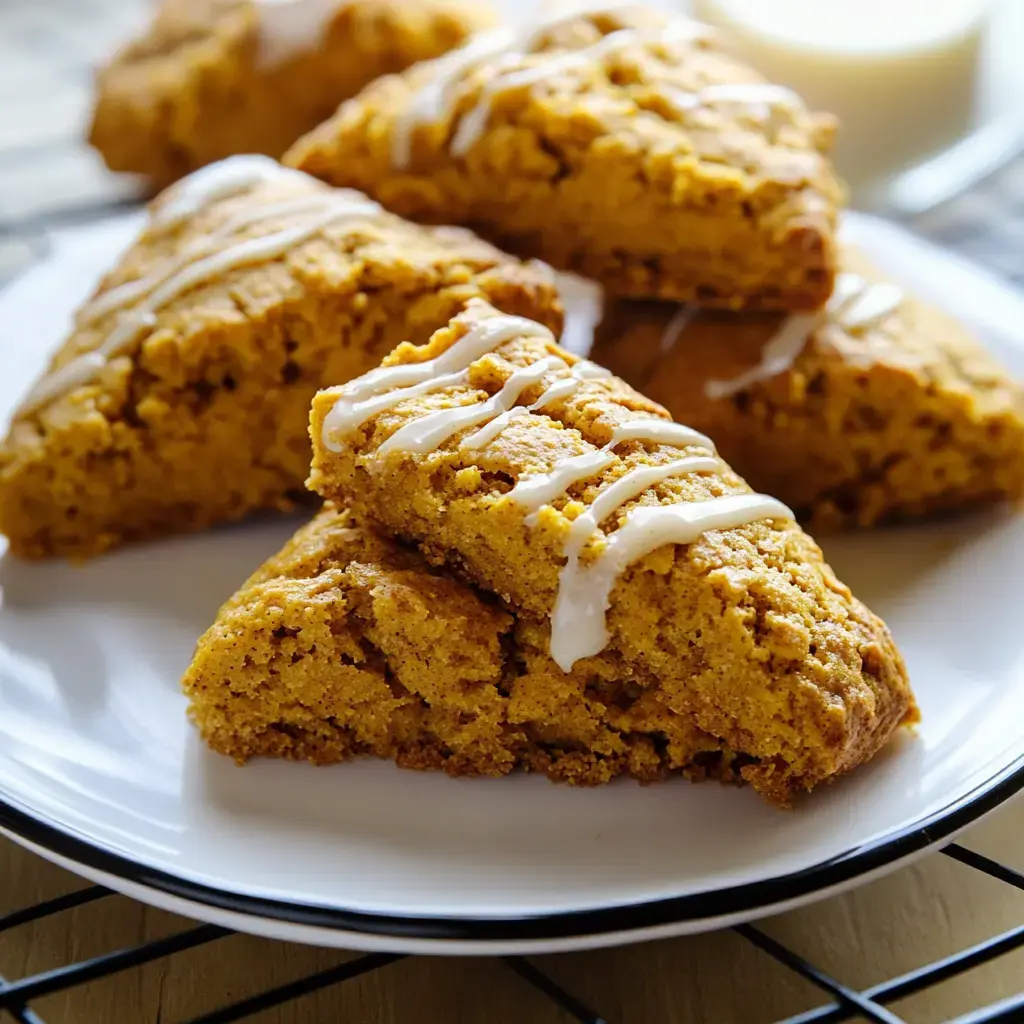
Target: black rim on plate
[741, 899]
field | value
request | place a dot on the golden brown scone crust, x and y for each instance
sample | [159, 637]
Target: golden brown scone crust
[345, 643]
[906, 419]
[598, 172]
[194, 87]
[747, 630]
[207, 419]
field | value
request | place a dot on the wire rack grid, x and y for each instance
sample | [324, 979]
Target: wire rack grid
[844, 1003]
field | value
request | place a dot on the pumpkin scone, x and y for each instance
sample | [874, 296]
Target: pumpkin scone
[622, 143]
[617, 537]
[213, 78]
[346, 643]
[181, 398]
[881, 408]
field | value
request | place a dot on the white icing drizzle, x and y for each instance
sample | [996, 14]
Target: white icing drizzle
[660, 432]
[630, 485]
[535, 490]
[776, 357]
[869, 306]
[289, 28]
[428, 433]
[750, 94]
[123, 295]
[760, 98]
[566, 387]
[433, 102]
[126, 294]
[388, 386]
[771, 105]
[680, 320]
[474, 123]
[847, 287]
[578, 627]
[856, 305]
[71, 375]
[205, 260]
[481, 438]
[584, 369]
[346, 415]
[221, 180]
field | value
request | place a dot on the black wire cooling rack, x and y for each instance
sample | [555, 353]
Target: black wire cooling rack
[844, 1003]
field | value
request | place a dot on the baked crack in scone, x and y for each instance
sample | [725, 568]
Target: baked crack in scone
[618, 539]
[345, 643]
[881, 408]
[622, 143]
[213, 78]
[181, 398]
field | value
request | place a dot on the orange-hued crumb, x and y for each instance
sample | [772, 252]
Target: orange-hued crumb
[208, 80]
[205, 418]
[607, 166]
[909, 417]
[745, 630]
[345, 643]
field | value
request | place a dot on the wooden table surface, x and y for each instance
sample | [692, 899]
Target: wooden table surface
[886, 928]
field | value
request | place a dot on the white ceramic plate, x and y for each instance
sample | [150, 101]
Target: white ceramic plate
[100, 770]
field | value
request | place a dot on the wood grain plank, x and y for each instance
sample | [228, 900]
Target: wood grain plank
[890, 926]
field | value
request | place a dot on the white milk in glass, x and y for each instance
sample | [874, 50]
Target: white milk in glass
[901, 74]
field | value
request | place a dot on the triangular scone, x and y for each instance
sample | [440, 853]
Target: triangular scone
[346, 643]
[578, 502]
[623, 144]
[212, 78]
[181, 398]
[882, 408]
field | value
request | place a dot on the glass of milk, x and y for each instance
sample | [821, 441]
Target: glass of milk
[903, 76]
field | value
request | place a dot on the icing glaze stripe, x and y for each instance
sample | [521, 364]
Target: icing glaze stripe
[205, 260]
[856, 305]
[199, 266]
[661, 432]
[681, 319]
[394, 384]
[433, 102]
[869, 307]
[561, 389]
[126, 294]
[226, 178]
[777, 356]
[579, 626]
[428, 433]
[290, 28]
[535, 490]
[348, 415]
